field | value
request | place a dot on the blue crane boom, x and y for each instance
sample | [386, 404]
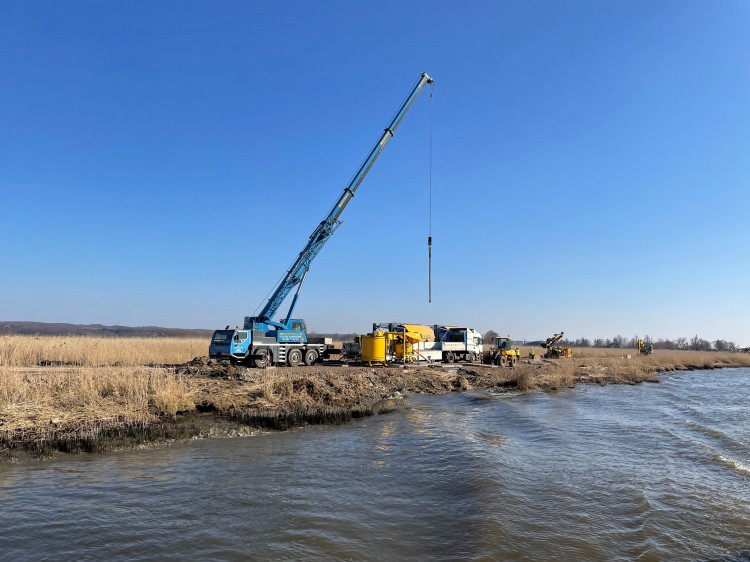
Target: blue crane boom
[295, 277]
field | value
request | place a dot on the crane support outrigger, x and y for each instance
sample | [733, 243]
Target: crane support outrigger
[265, 341]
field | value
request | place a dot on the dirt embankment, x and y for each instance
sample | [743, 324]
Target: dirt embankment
[204, 396]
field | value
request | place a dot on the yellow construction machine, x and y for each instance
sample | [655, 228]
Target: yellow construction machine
[644, 348]
[502, 354]
[555, 351]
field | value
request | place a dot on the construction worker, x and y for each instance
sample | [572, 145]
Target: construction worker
[518, 354]
[531, 354]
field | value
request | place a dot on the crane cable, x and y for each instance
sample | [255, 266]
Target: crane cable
[429, 232]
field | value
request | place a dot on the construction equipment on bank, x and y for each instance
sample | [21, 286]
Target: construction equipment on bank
[644, 348]
[553, 351]
[412, 343]
[502, 354]
[264, 341]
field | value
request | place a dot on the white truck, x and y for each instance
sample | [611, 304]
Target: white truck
[452, 344]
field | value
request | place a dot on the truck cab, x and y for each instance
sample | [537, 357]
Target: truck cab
[220, 344]
[260, 341]
[503, 343]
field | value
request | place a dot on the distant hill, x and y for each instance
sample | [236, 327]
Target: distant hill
[8, 328]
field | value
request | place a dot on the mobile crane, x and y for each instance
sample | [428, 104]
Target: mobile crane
[265, 341]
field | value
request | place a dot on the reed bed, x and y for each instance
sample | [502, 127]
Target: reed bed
[78, 393]
[81, 351]
[75, 398]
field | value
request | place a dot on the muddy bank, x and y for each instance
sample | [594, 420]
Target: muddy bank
[231, 400]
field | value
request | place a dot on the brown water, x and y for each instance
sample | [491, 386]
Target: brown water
[648, 472]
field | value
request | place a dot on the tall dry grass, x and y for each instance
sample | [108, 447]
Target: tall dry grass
[75, 397]
[30, 351]
[614, 366]
[666, 356]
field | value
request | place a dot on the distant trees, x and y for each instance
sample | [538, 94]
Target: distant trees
[724, 345]
[699, 344]
[661, 343]
[695, 343]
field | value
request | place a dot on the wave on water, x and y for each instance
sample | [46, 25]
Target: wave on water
[731, 463]
[716, 434]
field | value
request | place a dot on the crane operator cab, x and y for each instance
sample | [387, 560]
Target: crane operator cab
[256, 338]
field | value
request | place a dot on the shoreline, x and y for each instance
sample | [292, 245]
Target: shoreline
[229, 401]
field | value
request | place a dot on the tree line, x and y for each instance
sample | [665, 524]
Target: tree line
[619, 342]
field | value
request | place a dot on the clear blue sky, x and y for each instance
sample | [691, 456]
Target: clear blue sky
[162, 163]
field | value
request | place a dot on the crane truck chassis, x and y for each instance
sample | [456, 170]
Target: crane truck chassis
[263, 341]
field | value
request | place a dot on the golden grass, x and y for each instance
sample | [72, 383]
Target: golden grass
[30, 351]
[76, 397]
[111, 382]
[615, 366]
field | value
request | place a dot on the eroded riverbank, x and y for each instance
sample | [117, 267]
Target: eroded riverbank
[204, 397]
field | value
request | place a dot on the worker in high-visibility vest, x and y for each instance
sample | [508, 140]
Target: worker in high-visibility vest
[518, 353]
[531, 354]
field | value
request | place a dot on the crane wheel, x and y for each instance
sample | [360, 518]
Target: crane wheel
[294, 357]
[503, 361]
[261, 363]
[513, 361]
[311, 356]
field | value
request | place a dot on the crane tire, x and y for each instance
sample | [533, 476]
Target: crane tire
[311, 357]
[294, 357]
[261, 363]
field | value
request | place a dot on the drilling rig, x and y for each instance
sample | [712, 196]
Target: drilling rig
[555, 351]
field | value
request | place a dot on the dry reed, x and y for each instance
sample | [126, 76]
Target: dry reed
[31, 351]
[76, 397]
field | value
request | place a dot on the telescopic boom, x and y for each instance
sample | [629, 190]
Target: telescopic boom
[297, 273]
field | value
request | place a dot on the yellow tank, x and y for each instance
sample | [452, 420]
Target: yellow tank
[373, 348]
[404, 351]
[417, 333]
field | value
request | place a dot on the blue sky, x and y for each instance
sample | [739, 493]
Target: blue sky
[162, 163]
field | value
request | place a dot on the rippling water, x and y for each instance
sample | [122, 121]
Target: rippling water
[648, 472]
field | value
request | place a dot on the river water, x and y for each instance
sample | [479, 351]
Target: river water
[647, 472]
